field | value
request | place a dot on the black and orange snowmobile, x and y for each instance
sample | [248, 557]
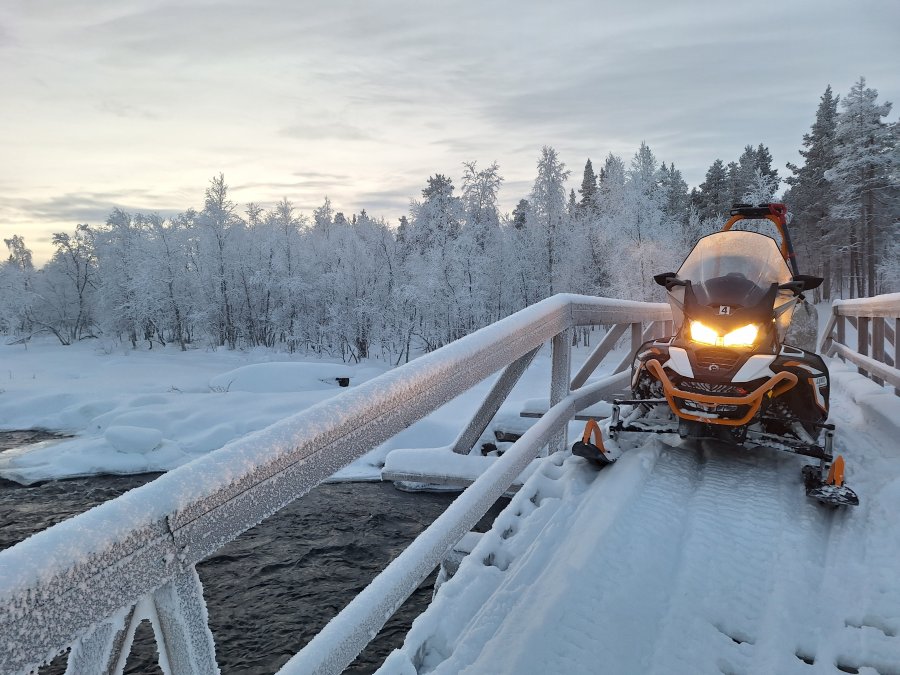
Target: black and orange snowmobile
[727, 374]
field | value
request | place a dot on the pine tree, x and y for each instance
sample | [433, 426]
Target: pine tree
[864, 178]
[520, 214]
[588, 191]
[715, 192]
[675, 194]
[811, 195]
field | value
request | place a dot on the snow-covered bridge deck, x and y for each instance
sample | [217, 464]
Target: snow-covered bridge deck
[681, 560]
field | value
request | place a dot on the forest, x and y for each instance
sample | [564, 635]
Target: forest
[353, 287]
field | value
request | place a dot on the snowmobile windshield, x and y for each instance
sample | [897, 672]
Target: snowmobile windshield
[735, 270]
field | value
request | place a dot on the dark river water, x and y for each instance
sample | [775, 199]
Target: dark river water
[271, 590]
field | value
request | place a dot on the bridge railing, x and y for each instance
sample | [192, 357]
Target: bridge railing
[876, 321]
[86, 583]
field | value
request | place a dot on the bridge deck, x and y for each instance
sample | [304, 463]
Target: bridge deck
[680, 560]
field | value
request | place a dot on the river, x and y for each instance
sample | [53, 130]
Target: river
[272, 589]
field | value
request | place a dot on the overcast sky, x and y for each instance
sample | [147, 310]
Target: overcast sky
[138, 103]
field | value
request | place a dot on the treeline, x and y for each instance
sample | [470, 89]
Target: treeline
[355, 287]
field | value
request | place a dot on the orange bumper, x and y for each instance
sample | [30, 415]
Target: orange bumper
[777, 384]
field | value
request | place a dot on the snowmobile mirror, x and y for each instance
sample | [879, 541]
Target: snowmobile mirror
[809, 282]
[796, 287]
[668, 279]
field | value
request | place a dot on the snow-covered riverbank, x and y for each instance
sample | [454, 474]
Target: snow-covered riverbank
[133, 411]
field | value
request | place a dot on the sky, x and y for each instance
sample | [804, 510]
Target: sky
[139, 103]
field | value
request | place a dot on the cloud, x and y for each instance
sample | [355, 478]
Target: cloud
[91, 208]
[125, 110]
[333, 130]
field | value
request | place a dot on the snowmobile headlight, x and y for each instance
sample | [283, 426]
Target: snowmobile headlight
[704, 334]
[744, 336]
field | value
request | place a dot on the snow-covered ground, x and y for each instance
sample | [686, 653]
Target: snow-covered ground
[684, 560]
[132, 411]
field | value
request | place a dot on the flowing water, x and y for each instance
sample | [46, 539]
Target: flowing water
[271, 590]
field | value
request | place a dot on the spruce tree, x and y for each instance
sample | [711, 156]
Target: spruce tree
[588, 190]
[865, 179]
[715, 192]
[810, 196]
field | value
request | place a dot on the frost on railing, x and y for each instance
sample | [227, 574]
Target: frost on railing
[876, 321]
[86, 583]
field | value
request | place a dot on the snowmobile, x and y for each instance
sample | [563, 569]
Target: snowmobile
[727, 373]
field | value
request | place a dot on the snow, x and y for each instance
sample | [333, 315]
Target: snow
[685, 561]
[673, 560]
[133, 411]
[191, 403]
[133, 439]
[878, 305]
[280, 377]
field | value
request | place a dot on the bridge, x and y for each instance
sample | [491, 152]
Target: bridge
[673, 560]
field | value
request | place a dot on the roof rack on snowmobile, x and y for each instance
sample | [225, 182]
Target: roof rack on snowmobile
[777, 214]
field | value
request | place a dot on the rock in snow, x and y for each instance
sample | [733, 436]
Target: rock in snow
[133, 439]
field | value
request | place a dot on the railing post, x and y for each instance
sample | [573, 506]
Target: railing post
[841, 330]
[636, 333]
[878, 343]
[897, 350]
[561, 371]
[593, 360]
[862, 339]
[186, 639]
[492, 402]
[99, 652]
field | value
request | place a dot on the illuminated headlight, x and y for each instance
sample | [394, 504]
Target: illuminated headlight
[742, 337]
[703, 334]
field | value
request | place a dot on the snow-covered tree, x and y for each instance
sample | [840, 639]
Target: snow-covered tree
[17, 288]
[715, 194]
[810, 195]
[65, 289]
[864, 175]
[547, 223]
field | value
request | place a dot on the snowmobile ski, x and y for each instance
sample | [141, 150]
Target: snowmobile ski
[595, 452]
[832, 490]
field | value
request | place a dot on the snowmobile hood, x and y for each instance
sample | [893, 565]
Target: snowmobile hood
[732, 273]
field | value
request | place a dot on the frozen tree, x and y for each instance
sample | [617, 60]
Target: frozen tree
[760, 189]
[589, 202]
[170, 262]
[714, 198]
[646, 241]
[810, 194]
[676, 200]
[437, 218]
[65, 290]
[520, 214]
[479, 195]
[864, 177]
[17, 279]
[218, 222]
[547, 223]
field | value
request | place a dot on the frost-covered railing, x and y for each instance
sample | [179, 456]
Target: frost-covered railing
[877, 324]
[87, 582]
